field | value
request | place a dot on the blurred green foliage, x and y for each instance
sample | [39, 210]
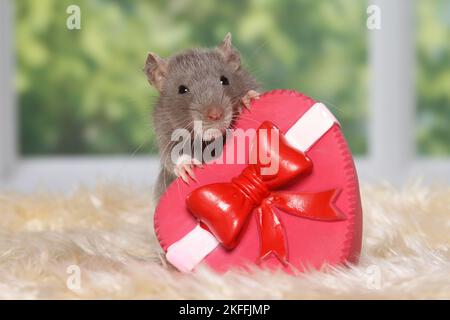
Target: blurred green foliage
[433, 81]
[83, 91]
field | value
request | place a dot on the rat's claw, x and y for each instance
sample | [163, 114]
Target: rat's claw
[184, 176]
[182, 172]
[246, 100]
[253, 94]
[197, 163]
[190, 172]
[184, 168]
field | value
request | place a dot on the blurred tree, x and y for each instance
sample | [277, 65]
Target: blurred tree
[433, 82]
[82, 91]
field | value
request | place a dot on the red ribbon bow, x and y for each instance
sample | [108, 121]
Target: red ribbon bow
[225, 208]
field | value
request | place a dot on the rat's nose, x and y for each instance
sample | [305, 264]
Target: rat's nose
[214, 113]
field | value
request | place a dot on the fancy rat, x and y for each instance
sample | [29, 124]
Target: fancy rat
[207, 85]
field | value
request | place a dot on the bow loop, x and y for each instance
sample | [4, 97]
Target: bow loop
[277, 162]
[224, 218]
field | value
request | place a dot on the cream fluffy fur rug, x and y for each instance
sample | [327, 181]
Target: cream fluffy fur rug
[106, 233]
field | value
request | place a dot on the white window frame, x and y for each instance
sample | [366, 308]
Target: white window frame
[8, 122]
[391, 120]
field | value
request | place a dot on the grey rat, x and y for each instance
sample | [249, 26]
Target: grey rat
[208, 85]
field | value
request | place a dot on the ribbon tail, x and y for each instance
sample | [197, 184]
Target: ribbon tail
[315, 206]
[272, 234]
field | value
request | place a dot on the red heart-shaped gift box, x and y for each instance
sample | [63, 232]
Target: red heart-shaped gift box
[310, 128]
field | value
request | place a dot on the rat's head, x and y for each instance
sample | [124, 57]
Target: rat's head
[200, 85]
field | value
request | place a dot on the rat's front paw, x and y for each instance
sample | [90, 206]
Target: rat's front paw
[184, 168]
[252, 94]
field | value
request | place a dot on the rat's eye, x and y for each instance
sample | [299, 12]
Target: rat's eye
[224, 81]
[183, 89]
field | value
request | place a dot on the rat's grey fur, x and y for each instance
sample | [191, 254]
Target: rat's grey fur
[200, 71]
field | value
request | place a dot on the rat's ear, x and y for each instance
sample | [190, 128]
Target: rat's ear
[155, 69]
[230, 54]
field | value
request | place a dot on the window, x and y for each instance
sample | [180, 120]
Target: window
[83, 92]
[83, 105]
